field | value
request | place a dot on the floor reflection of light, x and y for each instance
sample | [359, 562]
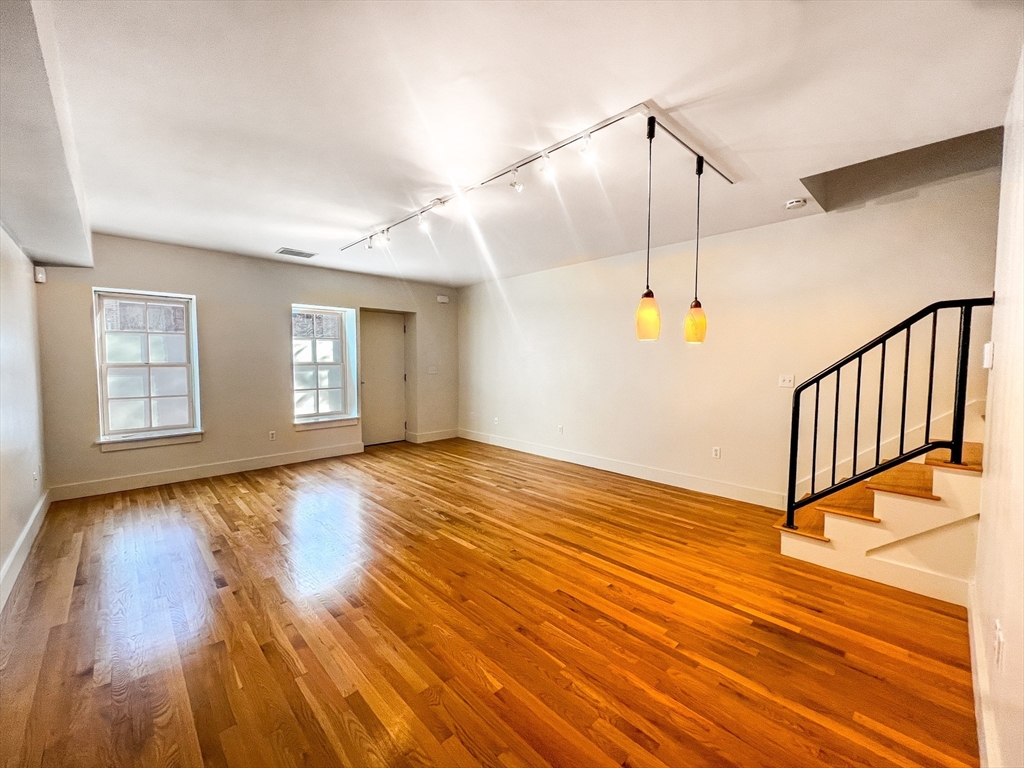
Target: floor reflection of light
[325, 539]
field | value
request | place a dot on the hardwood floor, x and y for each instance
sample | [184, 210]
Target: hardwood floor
[456, 604]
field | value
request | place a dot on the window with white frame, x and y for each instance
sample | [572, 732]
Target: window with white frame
[148, 364]
[323, 363]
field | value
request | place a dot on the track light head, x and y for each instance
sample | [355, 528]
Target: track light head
[587, 148]
[515, 183]
[547, 168]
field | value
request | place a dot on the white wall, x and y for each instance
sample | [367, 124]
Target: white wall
[558, 347]
[22, 495]
[999, 589]
[244, 321]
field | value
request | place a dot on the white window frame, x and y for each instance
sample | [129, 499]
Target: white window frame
[194, 427]
[347, 337]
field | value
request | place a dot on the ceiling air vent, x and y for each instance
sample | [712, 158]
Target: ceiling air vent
[294, 252]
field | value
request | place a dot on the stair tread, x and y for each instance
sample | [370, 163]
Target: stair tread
[972, 458]
[909, 479]
[856, 501]
[810, 522]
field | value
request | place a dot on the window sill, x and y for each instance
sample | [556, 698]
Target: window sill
[154, 441]
[344, 421]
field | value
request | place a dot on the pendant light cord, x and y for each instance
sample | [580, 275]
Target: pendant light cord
[696, 261]
[650, 165]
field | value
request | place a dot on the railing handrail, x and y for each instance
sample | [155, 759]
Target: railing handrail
[955, 444]
[902, 326]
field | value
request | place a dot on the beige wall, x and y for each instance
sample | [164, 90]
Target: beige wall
[244, 316]
[22, 496]
[999, 589]
[558, 347]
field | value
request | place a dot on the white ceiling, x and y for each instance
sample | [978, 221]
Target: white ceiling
[247, 126]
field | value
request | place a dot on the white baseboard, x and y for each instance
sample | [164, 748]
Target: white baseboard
[14, 562]
[773, 499]
[144, 480]
[426, 437]
[988, 744]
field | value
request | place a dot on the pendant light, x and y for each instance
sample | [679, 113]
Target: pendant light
[648, 316]
[695, 326]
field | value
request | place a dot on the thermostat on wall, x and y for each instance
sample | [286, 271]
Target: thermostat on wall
[442, 299]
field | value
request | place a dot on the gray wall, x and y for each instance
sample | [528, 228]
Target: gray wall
[21, 428]
[244, 322]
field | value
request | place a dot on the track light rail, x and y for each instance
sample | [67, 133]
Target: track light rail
[644, 108]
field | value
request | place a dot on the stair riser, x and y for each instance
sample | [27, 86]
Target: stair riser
[939, 586]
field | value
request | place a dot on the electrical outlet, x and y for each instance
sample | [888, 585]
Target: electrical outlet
[786, 380]
[560, 430]
[273, 435]
[432, 370]
[716, 452]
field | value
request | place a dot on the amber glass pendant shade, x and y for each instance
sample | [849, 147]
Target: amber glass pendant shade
[695, 326]
[648, 318]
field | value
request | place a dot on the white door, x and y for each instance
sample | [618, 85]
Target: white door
[382, 376]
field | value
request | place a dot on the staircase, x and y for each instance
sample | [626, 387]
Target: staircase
[904, 509]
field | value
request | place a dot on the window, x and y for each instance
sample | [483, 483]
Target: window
[323, 363]
[148, 369]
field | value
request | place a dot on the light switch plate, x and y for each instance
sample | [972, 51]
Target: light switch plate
[786, 380]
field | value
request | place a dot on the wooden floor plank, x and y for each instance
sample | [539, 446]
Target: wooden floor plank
[457, 604]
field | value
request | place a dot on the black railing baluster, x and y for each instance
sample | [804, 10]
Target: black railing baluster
[881, 397]
[794, 444]
[856, 419]
[814, 444]
[955, 444]
[835, 428]
[906, 376]
[956, 452]
[931, 383]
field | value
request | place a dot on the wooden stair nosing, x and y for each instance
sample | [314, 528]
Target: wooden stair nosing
[809, 522]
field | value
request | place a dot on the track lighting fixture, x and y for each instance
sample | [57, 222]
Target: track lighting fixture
[648, 316]
[695, 326]
[584, 141]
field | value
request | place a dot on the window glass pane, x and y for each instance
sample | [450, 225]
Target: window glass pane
[128, 414]
[305, 403]
[305, 377]
[327, 326]
[170, 412]
[166, 348]
[329, 376]
[170, 381]
[124, 315]
[126, 347]
[167, 318]
[302, 324]
[330, 400]
[302, 350]
[127, 382]
[328, 351]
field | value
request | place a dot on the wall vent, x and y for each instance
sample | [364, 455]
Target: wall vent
[295, 252]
